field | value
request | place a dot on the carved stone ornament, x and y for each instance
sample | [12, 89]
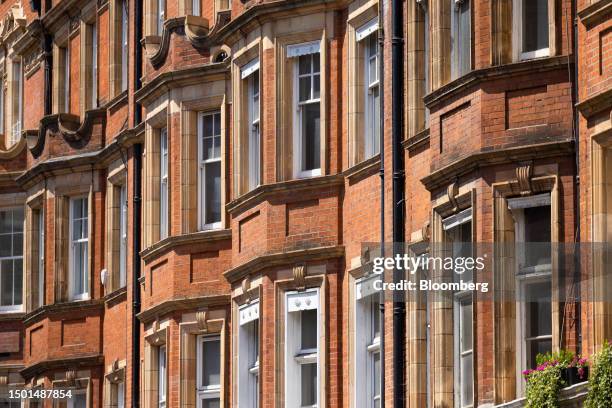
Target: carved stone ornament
[71, 378]
[365, 255]
[246, 286]
[452, 192]
[299, 276]
[523, 175]
[202, 320]
[3, 379]
[426, 231]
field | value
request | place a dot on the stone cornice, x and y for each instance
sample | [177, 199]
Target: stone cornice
[417, 140]
[178, 78]
[59, 363]
[65, 307]
[474, 161]
[595, 103]
[478, 76]
[363, 169]
[595, 13]
[187, 303]
[10, 317]
[283, 258]
[262, 192]
[195, 238]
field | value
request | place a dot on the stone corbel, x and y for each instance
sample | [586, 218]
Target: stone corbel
[246, 286]
[71, 378]
[299, 277]
[523, 176]
[451, 192]
[3, 380]
[202, 321]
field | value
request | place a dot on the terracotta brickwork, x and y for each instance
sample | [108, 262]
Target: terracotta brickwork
[258, 125]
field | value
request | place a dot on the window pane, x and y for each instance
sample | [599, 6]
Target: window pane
[538, 307]
[309, 384]
[211, 403]
[316, 62]
[537, 229]
[17, 281]
[309, 329]
[208, 151]
[304, 93]
[316, 87]
[5, 245]
[467, 380]
[213, 192]
[535, 25]
[305, 64]
[376, 373]
[80, 400]
[18, 219]
[6, 282]
[535, 347]
[311, 137]
[375, 310]
[466, 326]
[211, 366]
[18, 244]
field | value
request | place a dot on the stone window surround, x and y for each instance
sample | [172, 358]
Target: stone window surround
[89, 17]
[416, 66]
[35, 208]
[13, 201]
[249, 292]
[545, 180]
[204, 322]
[115, 374]
[190, 205]
[117, 179]
[442, 334]
[61, 45]
[313, 277]
[158, 335]
[62, 197]
[285, 111]
[356, 97]
[241, 148]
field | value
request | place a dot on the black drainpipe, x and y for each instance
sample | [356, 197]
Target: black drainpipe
[397, 131]
[137, 162]
[381, 70]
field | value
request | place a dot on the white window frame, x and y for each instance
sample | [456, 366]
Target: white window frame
[210, 391]
[163, 183]
[71, 251]
[254, 112]
[41, 256]
[123, 218]
[295, 356]
[364, 35]
[517, 29]
[13, 258]
[295, 52]
[367, 342]
[202, 164]
[248, 355]
[162, 373]
[124, 43]
[527, 276]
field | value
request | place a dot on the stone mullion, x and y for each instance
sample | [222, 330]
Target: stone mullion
[189, 171]
[61, 248]
[415, 68]
[440, 15]
[501, 32]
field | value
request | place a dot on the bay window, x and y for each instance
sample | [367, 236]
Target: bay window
[163, 181]
[531, 28]
[458, 233]
[209, 159]
[461, 38]
[11, 259]
[161, 376]
[78, 251]
[367, 344]
[307, 108]
[248, 356]
[532, 219]
[302, 359]
[209, 371]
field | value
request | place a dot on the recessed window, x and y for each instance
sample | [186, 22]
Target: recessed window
[163, 181]
[372, 97]
[92, 66]
[461, 38]
[11, 259]
[248, 356]
[531, 19]
[209, 137]
[161, 376]
[41, 254]
[79, 240]
[254, 134]
[17, 102]
[122, 235]
[209, 372]
[302, 349]
[367, 344]
[307, 103]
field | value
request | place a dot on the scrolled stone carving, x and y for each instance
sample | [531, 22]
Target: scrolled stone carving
[523, 176]
[202, 320]
[299, 276]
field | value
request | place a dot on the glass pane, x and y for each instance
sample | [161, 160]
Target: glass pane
[467, 392]
[309, 329]
[217, 149]
[211, 403]
[535, 347]
[535, 25]
[6, 283]
[18, 281]
[316, 62]
[208, 151]
[78, 268]
[316, 88]
[217, 124]
[537, 230]
[309, 384]
[304, 93]
[6, 221]
[375, 310]
[80, 400]
[213, 192]
[5, 245]
[18, 219]
[304, 64]
[376, 373]
[211, 366]
[311, 127]
[466, 326]
[18, 244]
[208, 125]
[538, 308]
